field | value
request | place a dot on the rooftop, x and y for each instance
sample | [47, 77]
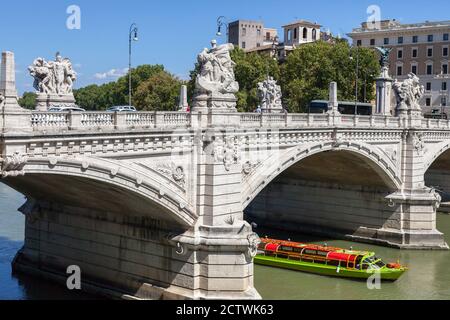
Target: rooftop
[303, 23]
[392, 25]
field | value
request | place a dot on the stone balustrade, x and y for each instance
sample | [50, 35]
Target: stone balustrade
[161, 120]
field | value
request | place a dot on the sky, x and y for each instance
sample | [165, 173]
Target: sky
[171, 32]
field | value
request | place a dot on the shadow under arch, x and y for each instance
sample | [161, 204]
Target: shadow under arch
[104, 185]
[277, 164]
[327, 190]
[437, 173]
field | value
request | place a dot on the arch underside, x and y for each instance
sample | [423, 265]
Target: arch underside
[330, 192]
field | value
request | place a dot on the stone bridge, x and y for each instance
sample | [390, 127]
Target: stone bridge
[157, 205]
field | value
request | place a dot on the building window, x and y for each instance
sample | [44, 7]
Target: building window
[430, 38]
[243, 45]
[415, 39]
[244, 32]
[359, 43]
[399, 70]
[428, 86]
[314, 34]
[444, 86]
[258, 32]
[445, 68]
[428, 102]
[429, 69]
[415, 53]
[445, 51]
[258, 45]
[445, 36]
[372, 42]
[414, 69]
[400, 54]
[443, 101]
[268, 36]
[386, 40]
[305, 33]
[295, 33]
[429, 52]
[400, 40]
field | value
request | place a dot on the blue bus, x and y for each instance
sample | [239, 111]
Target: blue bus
[344, 107]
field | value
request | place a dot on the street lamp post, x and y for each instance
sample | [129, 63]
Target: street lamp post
[221, 22]
[133, 36]
[357, 78]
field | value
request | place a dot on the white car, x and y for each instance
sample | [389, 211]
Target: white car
[66, 109]
[122, 109]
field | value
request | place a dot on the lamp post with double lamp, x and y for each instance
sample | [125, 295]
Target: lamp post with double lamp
[221, 22]
[133, 36]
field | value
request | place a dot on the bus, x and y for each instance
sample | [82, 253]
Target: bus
[344, 107]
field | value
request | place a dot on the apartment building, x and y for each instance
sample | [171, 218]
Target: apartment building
[248, 34]
[420, 48]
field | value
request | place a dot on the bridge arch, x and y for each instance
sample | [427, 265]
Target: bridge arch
[279, 163]
[98, 182]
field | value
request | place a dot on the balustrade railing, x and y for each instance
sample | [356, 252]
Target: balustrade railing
[147, 120]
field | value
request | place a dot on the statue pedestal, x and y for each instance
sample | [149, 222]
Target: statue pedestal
[214, 110]
[384, 95]
[46, 101]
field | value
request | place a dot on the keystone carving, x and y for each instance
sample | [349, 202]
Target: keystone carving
[249, 166]
[12, 166]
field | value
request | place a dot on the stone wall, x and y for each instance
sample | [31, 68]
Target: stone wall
[322, 208]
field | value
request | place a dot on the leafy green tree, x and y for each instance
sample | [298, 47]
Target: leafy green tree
[309, 69]
[160, 92]
[28, 100]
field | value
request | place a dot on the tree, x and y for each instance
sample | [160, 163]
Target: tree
[28, 100]
[116, 93]
[160, 92]
[309, 69]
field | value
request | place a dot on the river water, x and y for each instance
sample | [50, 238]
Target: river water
[428, 277]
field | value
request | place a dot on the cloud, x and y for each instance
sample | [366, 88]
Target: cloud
[113, 73]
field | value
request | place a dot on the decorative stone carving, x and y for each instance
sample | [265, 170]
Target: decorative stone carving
[408, 93]
[249, 166]
[253, 243]
[226, 151]
[53, 81]
[173, 172]
[418, 143]
[12, 166]
[215, 86]
[269, 94]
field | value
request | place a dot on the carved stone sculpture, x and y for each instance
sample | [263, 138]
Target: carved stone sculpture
[12, 166]
[408, 94]
[269, 94]
[53, 81]
[216, 80]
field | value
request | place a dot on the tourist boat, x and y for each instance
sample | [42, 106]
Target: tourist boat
[325, 260]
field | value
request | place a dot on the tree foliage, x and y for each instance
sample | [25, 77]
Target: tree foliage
[309, 69]
[95, 97]
[160, 92]
[28, 100]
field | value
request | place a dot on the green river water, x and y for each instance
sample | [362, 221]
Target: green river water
[428, 277]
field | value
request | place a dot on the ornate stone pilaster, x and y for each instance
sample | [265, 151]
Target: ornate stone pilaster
[384, 93]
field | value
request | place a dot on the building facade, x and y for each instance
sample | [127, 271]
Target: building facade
[298, 33]
[420, 48]
[248, 35]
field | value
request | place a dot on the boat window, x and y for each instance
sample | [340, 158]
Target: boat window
[322, 253]
[298, 250]
[380, 263]
[311, 252]
[289, 249]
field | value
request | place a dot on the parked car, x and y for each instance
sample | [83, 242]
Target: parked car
[122, 109]
[66, 109]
